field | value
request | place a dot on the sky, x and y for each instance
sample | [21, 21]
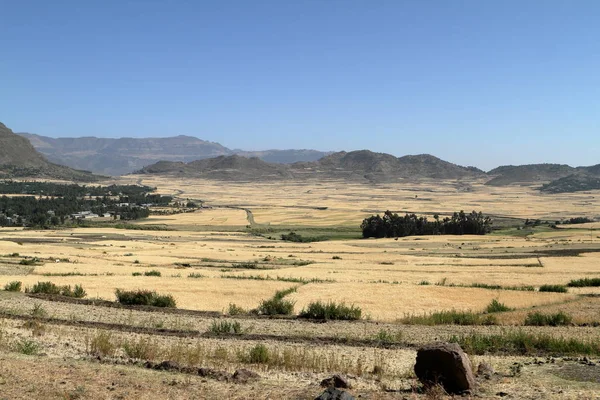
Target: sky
[481, 83]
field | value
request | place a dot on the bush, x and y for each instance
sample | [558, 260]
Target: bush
[136, 274]
[27, 346]
[331, 310]
[496, 306]
[44, 287]
[554, 288]
[225, 327]
[451, 317]
[585, 282]
[144, 298]
[152, 273]
[539, 319]
[259, 354]
[143, 349]
[276, 306]
[14, 286]
[235, 310]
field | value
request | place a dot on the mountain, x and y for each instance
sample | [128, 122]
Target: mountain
[572, 183]
[18, 158]
[124, 155]
[531, 173]
[356, 165]
[227, 168]
[120, 156]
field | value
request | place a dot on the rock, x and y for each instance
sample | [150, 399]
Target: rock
[244, 376]
[167, 366]
[213, 374]
[445, 364]
[336, 381]
[485, 370]
[334, 394]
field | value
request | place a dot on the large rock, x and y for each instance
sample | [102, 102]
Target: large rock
[336, 381]
[445, 364]
[334, 394]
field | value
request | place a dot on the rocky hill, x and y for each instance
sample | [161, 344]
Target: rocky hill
[531, 173]
[18, 158]
[221, 168]
[356, 165]
[124, 155]
[572, 183]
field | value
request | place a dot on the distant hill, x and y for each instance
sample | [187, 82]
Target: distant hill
[356, 165]
[18, 158]
[531, 173]
[125, 155]
[572, 183]
[221, 168]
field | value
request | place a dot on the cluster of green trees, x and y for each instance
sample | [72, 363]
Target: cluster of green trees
[56, 203]
[393, 225]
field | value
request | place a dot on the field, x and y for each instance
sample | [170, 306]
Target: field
[228, 256]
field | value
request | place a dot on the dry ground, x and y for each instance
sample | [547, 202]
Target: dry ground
[387, 278]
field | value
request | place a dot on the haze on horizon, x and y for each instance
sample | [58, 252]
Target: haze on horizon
[472, 82]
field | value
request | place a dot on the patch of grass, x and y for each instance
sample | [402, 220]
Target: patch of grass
[38, 311]
[14, 286]
[152, 273]
[424, 283]
[64, 274]
[225, 327]
[385, 336]
[141, 349]
[331, 311]
[27, 346]
[136, 274]
[234, 309]
[524, 343]
[29, 261]
[336, 258]
[101, 344]
[278, 278]
[452, 317]
[145, 298]
[196, 275]
[554, 288]
[246, 265]
[258, 354]
[585, 282]
[496, 306]
[556, 319]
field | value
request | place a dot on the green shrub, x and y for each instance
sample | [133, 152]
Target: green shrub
[14, 286]
[142, 297]
[246, 265]
[225, 327]
[276, 306]
[136, 274]
[27, 346]
[554, 288]
[585, 282]
[258, 354]
[196, 275]
[235, 310]
[29, 261]
[142, 349]
[152, 273]
[336, 258]
[539, 319]
[386, 337]
[331, 311]
[496, 306]
[452, 317]
[424, 283]
[44, 287]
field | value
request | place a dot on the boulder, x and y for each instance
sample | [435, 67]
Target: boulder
[445, 364]
[336, 381]
[213, 374]
[334, 394]
[244, 376]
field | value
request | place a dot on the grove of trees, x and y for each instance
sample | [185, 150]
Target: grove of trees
[394, 225]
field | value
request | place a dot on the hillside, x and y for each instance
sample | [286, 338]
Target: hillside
[356, 165]
[124, 155]
[531, 173]
[18, 158]
[572, 183]
[221, 168]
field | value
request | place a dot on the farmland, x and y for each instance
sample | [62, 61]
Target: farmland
[229, 255]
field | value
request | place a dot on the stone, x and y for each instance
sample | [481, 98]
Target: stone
[244, 376]
[336, 381]
[335, 394]
[213, 374]
[167, 366]
[485, 370]
[445, 364]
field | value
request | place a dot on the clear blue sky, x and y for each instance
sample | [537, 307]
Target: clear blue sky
[475, 82]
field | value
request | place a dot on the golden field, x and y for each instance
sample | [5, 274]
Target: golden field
[230, 252]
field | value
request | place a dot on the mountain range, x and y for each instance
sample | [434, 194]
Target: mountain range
[124, 155]
[33, 155]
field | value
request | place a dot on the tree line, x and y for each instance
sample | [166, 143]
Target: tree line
[394, 225]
